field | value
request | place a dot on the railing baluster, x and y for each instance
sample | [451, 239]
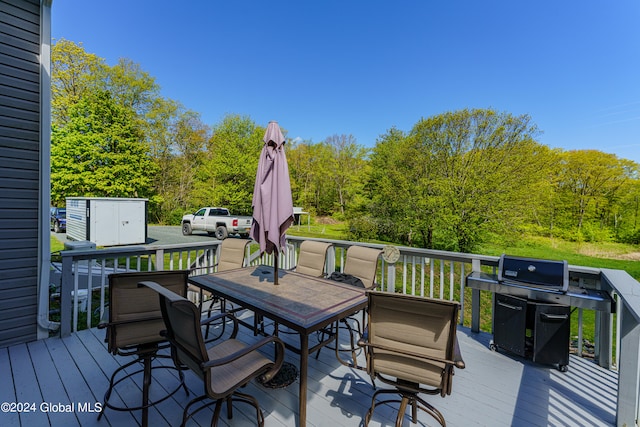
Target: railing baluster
[89, 291]
[103, 280]
[580, 324]
[451, 280]
[431, 276]
[441, 279]
[75, 295]
[404, 274]
[422, 267]
[413, 275]
[462, 285]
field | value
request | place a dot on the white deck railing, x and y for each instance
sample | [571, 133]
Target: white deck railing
[432, 273]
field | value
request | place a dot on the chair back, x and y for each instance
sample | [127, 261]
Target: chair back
[362, 262]
[312, 258]
[182, 318]
[232, 253]
[412, 338]
[135, 317]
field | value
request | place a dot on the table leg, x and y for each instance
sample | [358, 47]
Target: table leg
[304, 362]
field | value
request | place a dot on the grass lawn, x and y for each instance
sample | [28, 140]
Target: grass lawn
[599, 255]
[56, 245]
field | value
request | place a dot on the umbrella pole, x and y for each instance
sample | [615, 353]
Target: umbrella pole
[275, 267]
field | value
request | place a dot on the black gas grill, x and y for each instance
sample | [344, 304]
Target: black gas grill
[545, 275]
[532, 303]
[539, 280]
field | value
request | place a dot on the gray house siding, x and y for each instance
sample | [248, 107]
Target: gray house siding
[20, 169]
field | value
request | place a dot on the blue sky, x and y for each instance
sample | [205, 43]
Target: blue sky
[330, 67]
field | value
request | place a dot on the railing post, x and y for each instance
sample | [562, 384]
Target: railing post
[391, 277]
[160, 259]
[331, 260]
[475, 300]
[628, 371]
[602, 342]
[65, 294]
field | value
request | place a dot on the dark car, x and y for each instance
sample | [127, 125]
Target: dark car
[59, 219]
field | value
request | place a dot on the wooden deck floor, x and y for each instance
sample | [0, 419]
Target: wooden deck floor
[494, 390]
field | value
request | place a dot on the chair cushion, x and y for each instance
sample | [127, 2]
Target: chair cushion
[229, 376]
[232, 252]
[312, 258]
[362, 262]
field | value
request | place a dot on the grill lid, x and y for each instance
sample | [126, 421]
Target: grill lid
[547, 274]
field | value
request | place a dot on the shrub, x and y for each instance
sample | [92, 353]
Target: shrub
[362, 228]
[631, 237]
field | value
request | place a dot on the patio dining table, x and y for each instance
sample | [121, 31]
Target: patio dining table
[302, 303]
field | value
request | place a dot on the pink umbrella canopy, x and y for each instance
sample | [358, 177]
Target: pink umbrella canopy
[272, 201]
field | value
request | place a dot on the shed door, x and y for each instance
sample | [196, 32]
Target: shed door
[104, 223]
[118, 222]
[131, 223]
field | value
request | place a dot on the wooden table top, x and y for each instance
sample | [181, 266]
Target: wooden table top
[301, 302]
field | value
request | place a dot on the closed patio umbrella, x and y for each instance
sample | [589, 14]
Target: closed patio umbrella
[272, 201]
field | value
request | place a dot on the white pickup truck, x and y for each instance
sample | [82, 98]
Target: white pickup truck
[216, 221]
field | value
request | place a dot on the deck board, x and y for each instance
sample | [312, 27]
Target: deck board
[7, 391]
[46, 372]
[495, 389]
[26, 385]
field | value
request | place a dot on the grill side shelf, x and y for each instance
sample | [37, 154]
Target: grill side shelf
[591, 299]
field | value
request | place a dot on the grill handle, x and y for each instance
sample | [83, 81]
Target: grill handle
[509, 306]
[547, 316]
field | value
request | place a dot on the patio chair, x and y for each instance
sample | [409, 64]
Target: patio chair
[411, 344]
[231, 255]
[361, 262]
[133, 325]
[312, 258]
[225, 367]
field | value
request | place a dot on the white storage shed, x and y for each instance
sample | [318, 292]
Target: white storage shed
[107, 221]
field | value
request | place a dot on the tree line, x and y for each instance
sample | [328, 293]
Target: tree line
[448, 183]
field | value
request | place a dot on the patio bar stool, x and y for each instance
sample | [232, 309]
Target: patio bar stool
[133, 329]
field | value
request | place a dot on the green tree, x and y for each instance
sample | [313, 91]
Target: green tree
[299, 156]
[99, 152]
[591, 184]
[79, 80]
[349, 171]
[461, 174]
[227, 175]
[179, 151]
[393, 193]
[73, 76]
[628, 220]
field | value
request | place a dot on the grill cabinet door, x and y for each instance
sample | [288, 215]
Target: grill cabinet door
[551, 337]
[509, 323]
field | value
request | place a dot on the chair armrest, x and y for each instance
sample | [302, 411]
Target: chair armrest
[457, 356]
[104, 320]
[238, 354]
[364, 338]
